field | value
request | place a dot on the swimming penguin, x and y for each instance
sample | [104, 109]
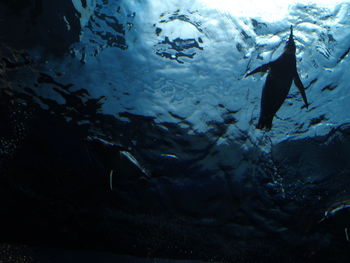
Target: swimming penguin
[282, 72]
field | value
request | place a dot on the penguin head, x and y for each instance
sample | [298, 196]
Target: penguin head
[290, 46]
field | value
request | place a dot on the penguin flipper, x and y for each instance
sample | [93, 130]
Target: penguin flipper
[301, 88]
[265, 122]
[262, 68]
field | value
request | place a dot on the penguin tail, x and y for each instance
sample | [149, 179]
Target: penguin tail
[265, 122]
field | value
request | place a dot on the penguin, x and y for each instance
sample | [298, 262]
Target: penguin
[281, 73]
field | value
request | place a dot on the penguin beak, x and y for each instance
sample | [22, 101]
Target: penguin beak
[290, 46]
[291, 34]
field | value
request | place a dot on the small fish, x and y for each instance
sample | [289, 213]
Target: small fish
[134, 161]
[173, 156]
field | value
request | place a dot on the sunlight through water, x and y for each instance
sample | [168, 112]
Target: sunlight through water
[268, 10]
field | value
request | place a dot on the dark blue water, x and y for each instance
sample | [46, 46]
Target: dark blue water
[128, 127]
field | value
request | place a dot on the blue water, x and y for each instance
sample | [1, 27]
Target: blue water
[144, 105]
